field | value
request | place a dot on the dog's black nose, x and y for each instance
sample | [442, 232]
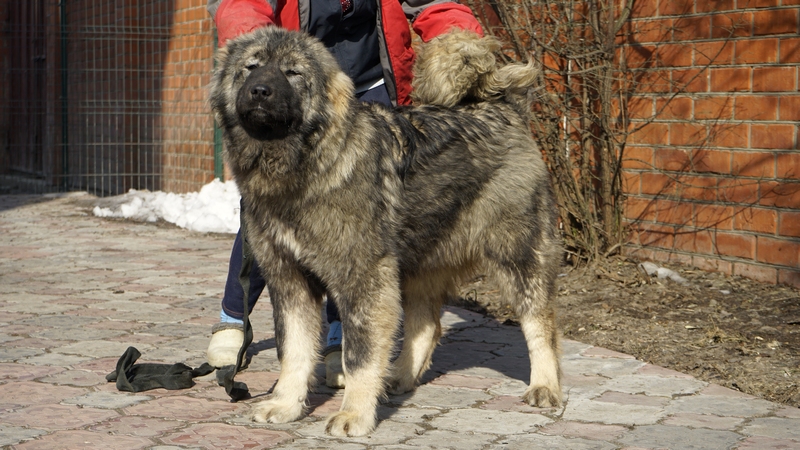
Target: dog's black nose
[260, 92]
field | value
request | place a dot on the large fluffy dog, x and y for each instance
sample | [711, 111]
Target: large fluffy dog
[386, 210]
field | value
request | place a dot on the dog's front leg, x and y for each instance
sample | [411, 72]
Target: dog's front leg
[370, 312]
[296, 310]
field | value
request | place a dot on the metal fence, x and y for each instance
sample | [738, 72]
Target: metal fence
[105, 96]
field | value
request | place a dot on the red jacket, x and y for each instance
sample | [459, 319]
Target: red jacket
[235, 17]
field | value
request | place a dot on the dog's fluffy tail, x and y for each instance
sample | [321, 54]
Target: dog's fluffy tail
[460, 65]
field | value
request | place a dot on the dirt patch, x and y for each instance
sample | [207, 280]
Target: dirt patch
[731, 331]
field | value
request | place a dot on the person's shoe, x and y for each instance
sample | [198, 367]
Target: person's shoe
[334, 372]
[226, 340]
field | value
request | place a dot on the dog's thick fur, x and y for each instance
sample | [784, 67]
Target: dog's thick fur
[386, 209]
[459, 66]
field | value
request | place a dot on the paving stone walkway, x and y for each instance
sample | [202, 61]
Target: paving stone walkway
[76, 291]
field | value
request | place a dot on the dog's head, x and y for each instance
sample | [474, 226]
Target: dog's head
[273, 84]
[269, 103]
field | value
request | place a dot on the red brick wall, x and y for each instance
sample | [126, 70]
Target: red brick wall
[186, 121]
[713, 174]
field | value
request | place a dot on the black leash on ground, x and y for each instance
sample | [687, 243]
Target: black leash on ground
[142, 377]
[133, 377]
[225, 376]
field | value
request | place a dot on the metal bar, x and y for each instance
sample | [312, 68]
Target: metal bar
[64, 98]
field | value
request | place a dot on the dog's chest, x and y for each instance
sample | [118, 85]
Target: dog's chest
[285, 237]
[288, 235]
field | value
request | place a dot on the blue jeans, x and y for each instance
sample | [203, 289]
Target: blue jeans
[232, 302]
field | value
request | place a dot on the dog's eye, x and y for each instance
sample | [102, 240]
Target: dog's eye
[251, 66]
[292, 73]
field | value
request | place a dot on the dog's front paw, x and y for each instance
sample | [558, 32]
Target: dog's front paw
[277, 411]
[542, 396]
[348, 423]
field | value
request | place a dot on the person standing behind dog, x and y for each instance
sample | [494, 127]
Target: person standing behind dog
[371, 41]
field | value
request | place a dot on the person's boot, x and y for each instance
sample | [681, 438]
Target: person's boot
[226, 340]
[334, 372]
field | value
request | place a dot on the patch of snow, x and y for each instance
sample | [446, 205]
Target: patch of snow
[215, 209]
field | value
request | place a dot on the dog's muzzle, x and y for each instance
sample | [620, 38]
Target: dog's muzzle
[267, 105]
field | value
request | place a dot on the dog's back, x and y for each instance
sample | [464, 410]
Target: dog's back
[468, 173]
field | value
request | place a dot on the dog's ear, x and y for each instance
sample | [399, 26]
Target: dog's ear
[220, 58]
[217, 94]
[341, 93]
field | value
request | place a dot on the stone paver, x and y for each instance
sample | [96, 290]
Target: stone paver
[137, 426]
[586, 410]
[703, 421]
[13, 435]
[490, 422]
[661, 436]
[85, 440]
[539, 441]
[722, 406]
[585, 430]
[57, 417]
[453, 439]
[107, 400]
[777, 427]
[215, 435]
[76, 291]
[26, 393]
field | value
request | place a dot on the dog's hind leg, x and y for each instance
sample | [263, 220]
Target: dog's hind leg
[539, 328]
[297, 306]
[423, 298]
[369, 323]
[531, 298]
